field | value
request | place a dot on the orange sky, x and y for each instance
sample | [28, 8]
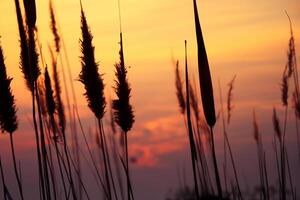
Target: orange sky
[246, 38]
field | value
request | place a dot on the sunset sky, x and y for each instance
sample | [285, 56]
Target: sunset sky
[248, 39]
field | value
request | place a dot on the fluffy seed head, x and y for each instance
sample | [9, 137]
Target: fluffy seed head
[229, 99]
[8, 118]
[30, 11]
[49, 94]
[89, 76]
[123, 110]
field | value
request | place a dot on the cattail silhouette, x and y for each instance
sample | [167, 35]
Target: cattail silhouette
[179, 89]
[53, 27]
[8, 118]
[229, 99]
[204, 74]
[207, 94]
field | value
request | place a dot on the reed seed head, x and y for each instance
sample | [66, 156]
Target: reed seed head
[49, 94]
[53, 27]
[123, 110]
[8, 118]
[229, 99]
[57, 89]
[30, 11]
[89, 76]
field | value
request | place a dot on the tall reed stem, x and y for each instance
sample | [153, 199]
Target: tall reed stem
[57, 155]
[104, 158]
[283, 176]
[3, 181]
[217, 176]
[41, 177]
[189, 123]
[228, 145]
[15, 165]
[43, 144]
[127, 167]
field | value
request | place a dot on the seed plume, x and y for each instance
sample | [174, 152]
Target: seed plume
[89, 76]
[53, 27]
[57, 89]
[49, 94]
[8, 118]
[229, 99]
[30, 11]
[123, 110]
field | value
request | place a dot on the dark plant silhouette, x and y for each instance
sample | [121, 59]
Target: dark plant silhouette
[179, 89]
[189, 125]
[206, 89]
[94, 91]
[8, 118]
[123, 112]
[53, 27]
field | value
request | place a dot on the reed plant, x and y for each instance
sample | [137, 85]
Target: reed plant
[8, 117]
[225, 132]
[123, 111]
[94, 93]
[206, 90]
[261, 159]
[190, 128]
